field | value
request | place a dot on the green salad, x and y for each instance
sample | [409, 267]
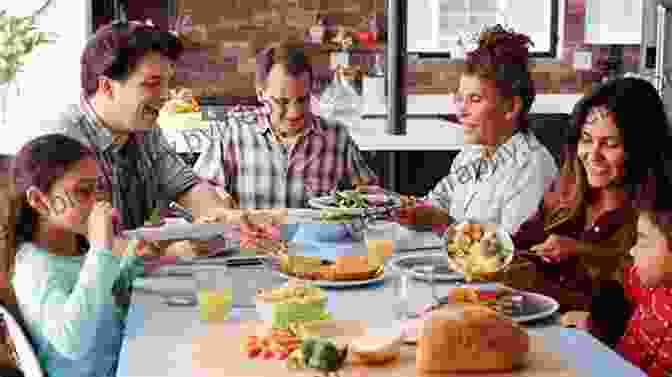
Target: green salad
[351, 199]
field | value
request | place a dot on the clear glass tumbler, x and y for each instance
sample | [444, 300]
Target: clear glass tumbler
[402, 286]
[214, 292]
[381, 239]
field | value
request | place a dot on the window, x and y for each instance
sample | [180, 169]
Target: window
[434, 26]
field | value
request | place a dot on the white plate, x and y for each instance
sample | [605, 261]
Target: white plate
[416, 263]
[544, 306]
[328, 202]
[302, 215]
[179, 231]
[333, 284]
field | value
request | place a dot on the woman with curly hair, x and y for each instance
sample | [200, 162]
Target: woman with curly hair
[503, 171]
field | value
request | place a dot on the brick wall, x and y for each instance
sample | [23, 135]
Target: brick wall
[225, 66]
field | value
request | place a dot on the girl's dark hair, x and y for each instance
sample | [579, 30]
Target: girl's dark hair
[640, 116]
[502, 56]
[653, 197]
[39, 163]
[117, 48]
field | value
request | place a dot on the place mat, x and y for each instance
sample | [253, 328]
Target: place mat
[219, 352]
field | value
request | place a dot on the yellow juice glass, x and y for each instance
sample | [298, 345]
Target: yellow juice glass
[214, 292]
[380, 237]
[379, 250]
[215, 305]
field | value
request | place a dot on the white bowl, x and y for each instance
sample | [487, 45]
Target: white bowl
[501, 235]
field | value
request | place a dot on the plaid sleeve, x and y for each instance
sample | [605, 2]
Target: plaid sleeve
[210, 164]
[215, 164]
[175, 176]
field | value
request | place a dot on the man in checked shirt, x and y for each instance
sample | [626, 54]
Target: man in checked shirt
[283, 153]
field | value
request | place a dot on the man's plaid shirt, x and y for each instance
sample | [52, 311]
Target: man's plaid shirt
[244, 156]
[142, 174]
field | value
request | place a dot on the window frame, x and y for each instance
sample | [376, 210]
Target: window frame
[551, 53]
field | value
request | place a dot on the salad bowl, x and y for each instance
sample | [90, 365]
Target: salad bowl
[477, 250]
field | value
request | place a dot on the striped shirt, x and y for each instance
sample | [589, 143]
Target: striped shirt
[144, 173]
[246, 159]
[505, 189]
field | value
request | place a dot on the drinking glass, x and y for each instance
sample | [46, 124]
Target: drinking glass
[248, 279]
[381, 239]
[214, 292]
[402, 285]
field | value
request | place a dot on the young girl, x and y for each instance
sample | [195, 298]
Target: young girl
[71, 275]
[646, 339]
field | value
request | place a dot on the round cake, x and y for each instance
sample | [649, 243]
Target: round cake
[470, 338]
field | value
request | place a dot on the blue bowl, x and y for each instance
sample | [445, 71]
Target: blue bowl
[322, 232]
[289, 231]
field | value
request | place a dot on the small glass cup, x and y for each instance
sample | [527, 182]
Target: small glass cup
[214, 292]
[381, 239]
[402, 286]
[247, 280]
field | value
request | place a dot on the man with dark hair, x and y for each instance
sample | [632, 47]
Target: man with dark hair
[285, 153]
[126, 68]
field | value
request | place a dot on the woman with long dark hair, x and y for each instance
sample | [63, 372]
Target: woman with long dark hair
[586, 223]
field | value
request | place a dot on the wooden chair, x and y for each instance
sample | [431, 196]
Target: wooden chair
[24, 352]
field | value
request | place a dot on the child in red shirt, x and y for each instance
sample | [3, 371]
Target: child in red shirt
[647, 341]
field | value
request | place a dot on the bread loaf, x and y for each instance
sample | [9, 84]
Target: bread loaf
[470, 338]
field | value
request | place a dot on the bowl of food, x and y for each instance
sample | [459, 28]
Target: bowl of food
[294, 302]
[477, 250]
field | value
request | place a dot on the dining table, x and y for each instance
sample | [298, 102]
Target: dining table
[160, 338]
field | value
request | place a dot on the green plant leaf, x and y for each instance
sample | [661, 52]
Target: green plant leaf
[19, 36]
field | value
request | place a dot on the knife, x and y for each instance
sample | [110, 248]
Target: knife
[229, 262]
